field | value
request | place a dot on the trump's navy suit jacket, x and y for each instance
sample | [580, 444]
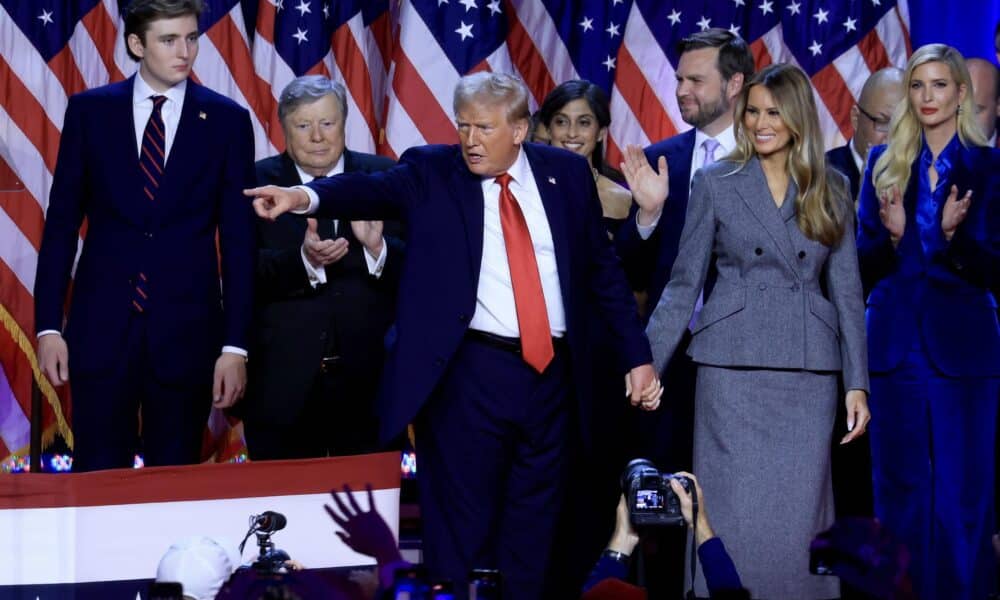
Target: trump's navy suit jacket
[172, 240]
[442, 203]
[929, 287]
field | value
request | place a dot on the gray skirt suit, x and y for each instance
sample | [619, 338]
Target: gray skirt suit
[784, 318]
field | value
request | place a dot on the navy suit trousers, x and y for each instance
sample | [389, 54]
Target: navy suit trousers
[493, 445]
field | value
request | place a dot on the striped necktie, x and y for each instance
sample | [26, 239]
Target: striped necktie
[153, 152]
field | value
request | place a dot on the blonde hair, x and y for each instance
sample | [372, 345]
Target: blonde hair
[892, 169]
[821, 204]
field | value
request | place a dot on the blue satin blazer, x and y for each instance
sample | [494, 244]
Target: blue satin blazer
[930, 292]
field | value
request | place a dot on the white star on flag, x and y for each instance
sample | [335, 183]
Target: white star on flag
[465, 31]
[674, 16]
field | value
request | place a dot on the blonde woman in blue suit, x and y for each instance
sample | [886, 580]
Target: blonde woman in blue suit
[784, 318]
[929, 245]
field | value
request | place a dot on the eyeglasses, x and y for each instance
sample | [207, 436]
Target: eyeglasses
[880, 125]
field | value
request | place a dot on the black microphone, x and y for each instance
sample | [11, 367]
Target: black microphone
[270, 521]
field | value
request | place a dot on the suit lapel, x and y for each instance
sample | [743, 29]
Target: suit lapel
[680, 170]
[190, 139]
[751, 185]
[121, 145]
[468, 193]
[553, 197]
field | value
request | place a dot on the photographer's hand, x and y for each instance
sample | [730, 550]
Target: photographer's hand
[624, 539]
[702, 529]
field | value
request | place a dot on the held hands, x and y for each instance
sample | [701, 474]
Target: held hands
[53, 358]
[649, 186]
[271, 201]
[857, 415]
[954, 211]
[643, 388]
[892, 213]
[319, 252]
[230, 380]
[369, 233]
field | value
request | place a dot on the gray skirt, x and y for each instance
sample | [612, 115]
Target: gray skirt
[762, 457]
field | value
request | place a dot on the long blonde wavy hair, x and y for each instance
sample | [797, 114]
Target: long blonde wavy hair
[892, 169]
[821, 204]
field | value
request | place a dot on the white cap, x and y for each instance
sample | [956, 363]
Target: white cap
[200, 564]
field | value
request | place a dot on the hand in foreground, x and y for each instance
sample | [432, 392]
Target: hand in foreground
[649, 186]
[319, 252]
[230, 380]
[365, 532]
[702, 529]
[857, 414]
[271, 201]
[954, 211]
[643, 388]
[892, 213]
[624, 539]
[53, 358]
[369, 233]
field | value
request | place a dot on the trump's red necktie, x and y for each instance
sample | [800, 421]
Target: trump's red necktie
[529, 300]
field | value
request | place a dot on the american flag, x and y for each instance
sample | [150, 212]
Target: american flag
[400, 61]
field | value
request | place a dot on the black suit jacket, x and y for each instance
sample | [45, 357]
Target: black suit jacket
[842, 159]
[295, 324]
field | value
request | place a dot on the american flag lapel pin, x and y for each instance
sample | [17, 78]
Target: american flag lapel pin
[552, 180]
[202, 115]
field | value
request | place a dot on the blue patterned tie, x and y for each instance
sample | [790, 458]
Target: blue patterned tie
[152, 157]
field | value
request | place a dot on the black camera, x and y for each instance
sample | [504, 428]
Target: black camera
[651, 502]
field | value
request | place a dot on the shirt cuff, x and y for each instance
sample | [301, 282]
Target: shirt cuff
[316, 275]
[647, 230]
[234, 350]
[47, 332]
[375, 265]
[313, 200]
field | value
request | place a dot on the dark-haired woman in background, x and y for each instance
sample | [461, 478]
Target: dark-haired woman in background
[784, 319]
[929, 245]
[577, 115]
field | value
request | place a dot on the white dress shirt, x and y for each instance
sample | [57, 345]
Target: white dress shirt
[317, 275]
[727, 143]
[142, 107]
[495, 309]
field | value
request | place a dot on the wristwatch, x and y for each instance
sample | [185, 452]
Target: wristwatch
[618, 557]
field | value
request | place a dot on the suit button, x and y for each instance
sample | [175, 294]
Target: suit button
[762, 287]
[148, 235]
[322, 335]
[438, 362]
[758, 251]
[802, 253]
[463, 318]
[795, 287]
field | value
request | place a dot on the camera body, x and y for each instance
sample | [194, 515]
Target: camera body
[650, 499]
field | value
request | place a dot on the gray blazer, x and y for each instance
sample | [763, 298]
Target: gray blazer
[767, 308]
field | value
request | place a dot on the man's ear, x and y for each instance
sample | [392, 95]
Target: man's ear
[734, 86]
[855, 116]
[520, 130]
[135, 45]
